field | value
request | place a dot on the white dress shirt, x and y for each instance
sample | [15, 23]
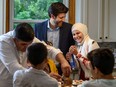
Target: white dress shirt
[12, 60]
[33, 78]
[53, 36]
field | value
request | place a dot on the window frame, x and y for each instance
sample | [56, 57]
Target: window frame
[10, 15]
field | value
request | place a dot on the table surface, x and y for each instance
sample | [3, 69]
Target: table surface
[74, 84]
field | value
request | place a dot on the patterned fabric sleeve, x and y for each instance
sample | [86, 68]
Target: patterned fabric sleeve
[83, 60]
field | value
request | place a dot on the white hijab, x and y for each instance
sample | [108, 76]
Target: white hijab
[82, 28]
[83, 45]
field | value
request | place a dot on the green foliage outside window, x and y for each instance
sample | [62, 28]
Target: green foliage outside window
[32, 9]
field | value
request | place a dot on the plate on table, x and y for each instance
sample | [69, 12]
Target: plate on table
[77, 82]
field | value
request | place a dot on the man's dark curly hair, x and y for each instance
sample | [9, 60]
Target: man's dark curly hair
[36, 53]
[103, 59]
[57, 8]
[24, 32]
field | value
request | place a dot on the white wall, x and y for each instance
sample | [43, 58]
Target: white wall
[2, 16]
[112, 18]
[99, 16]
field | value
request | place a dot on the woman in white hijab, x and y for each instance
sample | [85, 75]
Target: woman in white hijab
[84, 44]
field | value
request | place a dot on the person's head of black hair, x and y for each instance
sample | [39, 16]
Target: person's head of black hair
[36, 53]
[103, 59]
[24, 32]
[57, 8]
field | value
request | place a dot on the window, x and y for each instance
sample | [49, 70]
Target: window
[30, 11]
[16, 15]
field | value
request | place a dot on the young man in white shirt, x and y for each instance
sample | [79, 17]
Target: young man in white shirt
[12, 53]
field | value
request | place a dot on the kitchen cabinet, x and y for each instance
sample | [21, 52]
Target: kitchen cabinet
[100, 18]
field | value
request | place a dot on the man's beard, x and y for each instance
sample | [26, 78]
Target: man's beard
[59, 24]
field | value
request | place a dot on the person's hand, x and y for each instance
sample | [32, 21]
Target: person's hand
[56, 76]
[68, 56]
[73, 50]
[66, 69]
